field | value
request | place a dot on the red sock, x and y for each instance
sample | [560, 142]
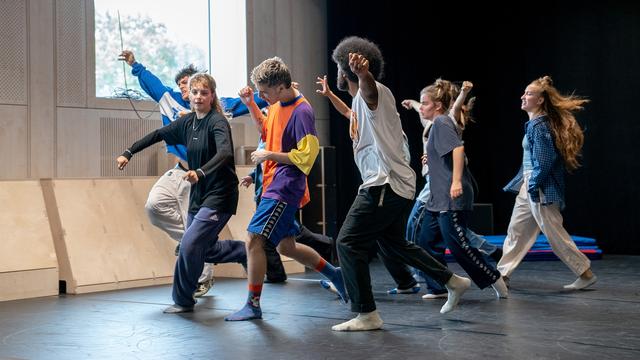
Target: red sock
[321, 264]
[255, 290]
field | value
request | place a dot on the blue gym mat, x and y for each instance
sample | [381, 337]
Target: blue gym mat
[541, 250]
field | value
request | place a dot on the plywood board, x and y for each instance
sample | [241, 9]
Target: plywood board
[28, 263]
[103, 236]
[104, 240]
[28, 284]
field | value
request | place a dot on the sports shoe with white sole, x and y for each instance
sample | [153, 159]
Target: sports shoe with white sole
[204, 287]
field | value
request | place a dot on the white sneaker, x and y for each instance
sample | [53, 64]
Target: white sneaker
[581, 283]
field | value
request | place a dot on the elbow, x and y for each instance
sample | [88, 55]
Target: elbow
[227, 156]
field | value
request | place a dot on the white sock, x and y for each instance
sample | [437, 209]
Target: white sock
[362, 322]
[581, 283]
[456, 286]
[502, 292]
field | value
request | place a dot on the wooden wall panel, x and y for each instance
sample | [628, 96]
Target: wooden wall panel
[291, 30]
[71, 45]
[28, 263]
[14, 142]
[102, 233]
[42, 89]
[78, 145]
[13, 44]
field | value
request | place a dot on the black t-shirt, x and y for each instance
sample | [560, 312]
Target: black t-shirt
[209, 152]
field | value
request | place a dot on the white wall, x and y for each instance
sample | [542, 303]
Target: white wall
[51, 124]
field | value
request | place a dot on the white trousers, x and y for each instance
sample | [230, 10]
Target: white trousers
[167, 208]
[527, 220]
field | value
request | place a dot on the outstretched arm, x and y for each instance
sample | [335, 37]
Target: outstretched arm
[171, 134]
[337, 103]
[236, 107]
[411, 104]
[359, 65]
[150, 83]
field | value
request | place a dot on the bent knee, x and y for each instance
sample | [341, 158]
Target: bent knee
[255, 241]
[155, 212]
[286, 249]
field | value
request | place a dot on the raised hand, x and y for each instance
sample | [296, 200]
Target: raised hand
[467, 86]
[410, 104]
[246, 95]
[358, 64]
[127, 56]
[325, 90]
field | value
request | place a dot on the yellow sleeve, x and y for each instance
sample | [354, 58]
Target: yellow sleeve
[305, 154]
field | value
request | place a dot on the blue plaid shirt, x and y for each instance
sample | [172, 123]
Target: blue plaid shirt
[548, 166]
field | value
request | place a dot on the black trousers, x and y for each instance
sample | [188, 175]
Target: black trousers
[378, 216]
[448, 230]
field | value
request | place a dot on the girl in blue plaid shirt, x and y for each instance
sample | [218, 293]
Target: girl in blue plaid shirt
[551, 145]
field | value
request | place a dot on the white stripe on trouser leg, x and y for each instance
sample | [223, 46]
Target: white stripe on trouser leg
[464, 243]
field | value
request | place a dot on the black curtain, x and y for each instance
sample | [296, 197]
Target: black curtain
[594, 51]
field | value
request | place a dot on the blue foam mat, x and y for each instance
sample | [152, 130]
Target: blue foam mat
[541, 250]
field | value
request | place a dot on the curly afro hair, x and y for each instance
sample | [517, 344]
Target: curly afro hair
[364, 47]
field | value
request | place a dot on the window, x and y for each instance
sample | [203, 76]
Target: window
[166, 38]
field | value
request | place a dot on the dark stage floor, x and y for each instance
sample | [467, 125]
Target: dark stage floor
[539, 321]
